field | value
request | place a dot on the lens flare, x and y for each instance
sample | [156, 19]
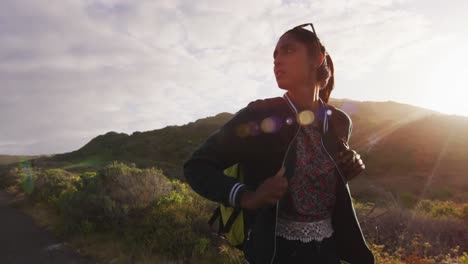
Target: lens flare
[305, 117]
[268, 125]
[254, 128]
[26, 176]
[242, 130]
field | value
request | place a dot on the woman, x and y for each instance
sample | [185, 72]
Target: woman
[296, 162]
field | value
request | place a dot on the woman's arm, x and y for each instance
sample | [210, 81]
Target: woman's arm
[268, 192]
[225, 147]
[349, 160]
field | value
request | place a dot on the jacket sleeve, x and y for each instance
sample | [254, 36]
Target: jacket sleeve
[225, 147]
[343, 125]
[350, 129]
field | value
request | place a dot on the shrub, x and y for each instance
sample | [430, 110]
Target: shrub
[132, 187]
[464, 213]
[20, 174]
[443, 194]
[176, 226]
[424, 206]
[464, 258]
[394, 228]
[407, 200]
[107, 199]
[445, 209]
[50, 184]
[416, 252]
[383, 257]
[9, 177]
[84, 206]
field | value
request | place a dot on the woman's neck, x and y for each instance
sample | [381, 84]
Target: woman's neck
[305, 99]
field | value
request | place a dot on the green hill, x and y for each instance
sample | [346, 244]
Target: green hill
[407, 149]
[166, 148]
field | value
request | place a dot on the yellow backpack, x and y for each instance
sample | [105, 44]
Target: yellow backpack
[231, 220]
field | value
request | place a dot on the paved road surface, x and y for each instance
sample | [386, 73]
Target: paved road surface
[22, 241]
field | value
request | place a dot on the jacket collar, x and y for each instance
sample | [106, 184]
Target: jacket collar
[322, 113]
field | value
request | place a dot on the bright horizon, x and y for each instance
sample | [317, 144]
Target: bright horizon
[76, 69]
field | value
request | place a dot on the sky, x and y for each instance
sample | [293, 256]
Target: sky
[73, 70]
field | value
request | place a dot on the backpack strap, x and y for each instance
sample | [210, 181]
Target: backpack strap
[225, 228]
[231, 219]
[216, 214]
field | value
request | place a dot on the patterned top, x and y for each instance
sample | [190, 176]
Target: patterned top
[305, 211]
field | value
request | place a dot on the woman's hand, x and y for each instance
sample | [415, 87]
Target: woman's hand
[350, 163]
[268, 193]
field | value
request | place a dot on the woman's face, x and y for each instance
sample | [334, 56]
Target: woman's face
[292, 64]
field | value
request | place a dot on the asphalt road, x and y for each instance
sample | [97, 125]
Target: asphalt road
[22, 241]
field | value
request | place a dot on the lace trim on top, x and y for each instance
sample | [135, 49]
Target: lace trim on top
[304, 231]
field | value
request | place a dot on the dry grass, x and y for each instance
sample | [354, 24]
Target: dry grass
[108, 248]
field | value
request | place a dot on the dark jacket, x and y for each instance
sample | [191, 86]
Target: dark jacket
[261, 138]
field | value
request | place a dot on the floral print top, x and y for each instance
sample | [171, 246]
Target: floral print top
[311, 190]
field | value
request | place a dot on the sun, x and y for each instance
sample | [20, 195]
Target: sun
[446, 85]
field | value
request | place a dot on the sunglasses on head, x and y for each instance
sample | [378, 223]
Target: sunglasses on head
[313, 31]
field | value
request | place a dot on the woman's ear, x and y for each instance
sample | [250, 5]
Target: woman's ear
[320, 59]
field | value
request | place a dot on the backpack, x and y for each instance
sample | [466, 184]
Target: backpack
[231, 224]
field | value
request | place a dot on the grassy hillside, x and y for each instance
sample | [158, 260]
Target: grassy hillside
[406, 148]
[411, 200]
[426, 156]
[165, 148]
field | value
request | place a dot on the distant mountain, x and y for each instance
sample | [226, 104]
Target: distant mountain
[9, 159]
[406, 148]
[166, 148]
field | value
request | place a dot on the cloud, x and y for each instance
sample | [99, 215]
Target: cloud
[71, 70]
